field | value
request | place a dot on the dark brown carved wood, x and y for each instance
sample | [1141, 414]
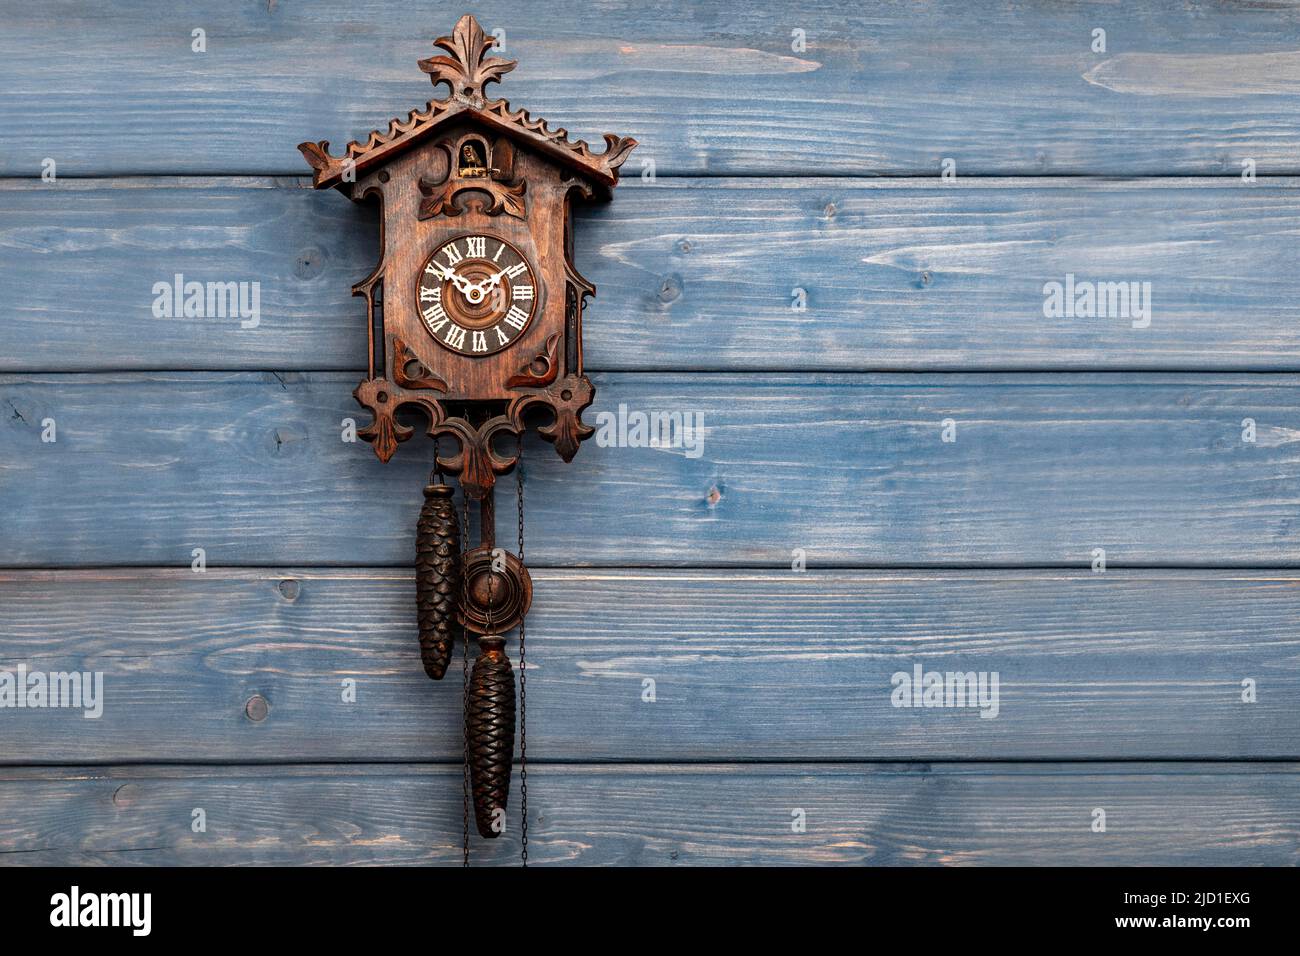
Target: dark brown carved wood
[410, 372]
[541, 369]
[491, 732]
[480, 324]
[438, 578]
[471, 166]
[495, 601]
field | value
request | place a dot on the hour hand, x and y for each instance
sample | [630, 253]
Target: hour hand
[460, 282]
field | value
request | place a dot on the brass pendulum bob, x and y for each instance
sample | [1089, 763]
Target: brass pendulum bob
[438, 578]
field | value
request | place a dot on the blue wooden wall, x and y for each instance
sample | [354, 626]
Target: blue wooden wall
[1161, 690]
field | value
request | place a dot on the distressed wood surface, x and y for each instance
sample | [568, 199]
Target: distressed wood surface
[912, 814]
[883, 88]
[745, 665]
[693, 274]
[772, 688]
[1044, 469]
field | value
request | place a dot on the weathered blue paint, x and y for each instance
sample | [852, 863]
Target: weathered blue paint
[792, 666]
[701, 274]
[883, 88]
[853, 468]
[823, 435]
[665, 815]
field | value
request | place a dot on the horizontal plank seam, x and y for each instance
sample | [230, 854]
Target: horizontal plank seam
[775, 565]
[684, 762]
[730, 371]
[781, 174]
[782, 568]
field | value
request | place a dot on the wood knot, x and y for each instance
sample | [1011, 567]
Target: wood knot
[670, 289]
[308, 264]
[256, 708]
[286, 440]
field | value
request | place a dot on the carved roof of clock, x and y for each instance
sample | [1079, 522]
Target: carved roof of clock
[466, 73]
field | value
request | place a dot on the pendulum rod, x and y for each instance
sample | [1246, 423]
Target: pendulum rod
[487, 520]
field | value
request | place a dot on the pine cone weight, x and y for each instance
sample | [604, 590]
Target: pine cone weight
[438, 576]
[491, 728]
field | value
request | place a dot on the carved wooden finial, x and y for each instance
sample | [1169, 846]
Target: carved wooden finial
[466, 73]
[469, 69]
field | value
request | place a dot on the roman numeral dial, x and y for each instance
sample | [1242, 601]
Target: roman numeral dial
[476, 294]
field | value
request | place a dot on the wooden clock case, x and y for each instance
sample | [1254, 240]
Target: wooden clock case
[429, 191]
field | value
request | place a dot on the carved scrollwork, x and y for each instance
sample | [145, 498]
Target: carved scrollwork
[541, 369]
[469, 69]
[384, 431]
[317, 155]
[467, 72]
[617, 149]
[382, 398]
[440, 198]
[476, 461]
[567, 398]
[421, 377]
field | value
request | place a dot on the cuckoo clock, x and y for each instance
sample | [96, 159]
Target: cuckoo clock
[474, 316]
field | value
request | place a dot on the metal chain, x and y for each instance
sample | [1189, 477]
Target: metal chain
[491, 577]
[464, 640]
[523, 673]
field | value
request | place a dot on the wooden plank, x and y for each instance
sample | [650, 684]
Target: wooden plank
[695, 274]
[889, 88]
[901, 814]
[1044, 470]
[745, 665]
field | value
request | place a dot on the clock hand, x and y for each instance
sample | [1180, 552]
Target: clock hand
[460, 282]
[490, 282]
[486, 285]
[478, 291]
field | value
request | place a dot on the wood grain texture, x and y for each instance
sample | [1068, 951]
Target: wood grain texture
[916, 814]
[772, 687]
[746, 665]
[693, 274]
[1044, 469]
[892, 87]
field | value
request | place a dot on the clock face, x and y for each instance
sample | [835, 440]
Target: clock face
[476, 294]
